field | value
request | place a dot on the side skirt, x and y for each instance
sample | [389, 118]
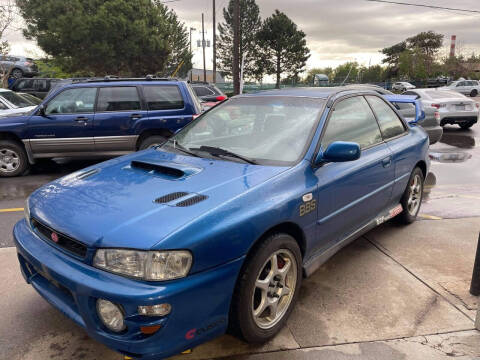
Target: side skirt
[318, 260]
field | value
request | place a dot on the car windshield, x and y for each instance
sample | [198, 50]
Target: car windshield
[15, 99]
[268, 130]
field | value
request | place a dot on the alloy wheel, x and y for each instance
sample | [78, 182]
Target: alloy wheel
[415, 195]
[274, 289]
[9, 160]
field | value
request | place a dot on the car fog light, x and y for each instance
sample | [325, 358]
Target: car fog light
[111, 315]
[155, 310]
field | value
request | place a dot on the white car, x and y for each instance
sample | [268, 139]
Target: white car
[465, 87]
[402, 86]
[452, 107]
[13, 104]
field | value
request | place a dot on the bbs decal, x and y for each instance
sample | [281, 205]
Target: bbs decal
[308, 207]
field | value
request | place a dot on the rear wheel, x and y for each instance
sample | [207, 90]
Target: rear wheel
[13, 159]
[151, 142]
[473, 93]
[412, 197]
[466, 125]
[17, 73]
[267, 289]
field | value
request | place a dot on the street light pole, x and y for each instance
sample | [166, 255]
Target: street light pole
[236, 47]
[203, 48]
[214, 46]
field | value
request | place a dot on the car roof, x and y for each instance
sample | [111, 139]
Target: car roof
[89, 83]
[313, 92]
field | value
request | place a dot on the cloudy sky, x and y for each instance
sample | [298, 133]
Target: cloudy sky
[337, 31]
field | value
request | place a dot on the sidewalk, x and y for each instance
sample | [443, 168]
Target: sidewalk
[396, 293]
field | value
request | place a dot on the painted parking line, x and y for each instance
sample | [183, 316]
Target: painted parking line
[11, 210]
[430, 217]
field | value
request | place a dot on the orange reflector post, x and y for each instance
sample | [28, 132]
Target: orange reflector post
[148, 330]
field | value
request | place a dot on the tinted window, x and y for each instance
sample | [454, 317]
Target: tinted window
[42, 85]
[203, 91]
[71, 101]
[3, 106]
[163, 97]
[390, 124]
[15, 99]
[462, 83]
[24, 84]
[352, 120]
[118, 99]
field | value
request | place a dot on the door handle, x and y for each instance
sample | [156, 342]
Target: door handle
[82, 119]
[136, 116]
[387, 161]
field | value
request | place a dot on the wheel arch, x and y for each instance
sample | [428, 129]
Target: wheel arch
[152, 132]
[423, 166]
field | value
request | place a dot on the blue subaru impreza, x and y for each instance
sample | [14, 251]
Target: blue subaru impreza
[159, 251]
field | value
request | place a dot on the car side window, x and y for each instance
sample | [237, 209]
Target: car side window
[390, 124]
[164, 97]
[24, 84]
[3, 106]
[352, 119]
[203, 91]
[73, 101]
[123, 98]
[461, 83]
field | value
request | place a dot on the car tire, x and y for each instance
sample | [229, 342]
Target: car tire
[473, 93]
[13, 159]
[412, 197]
[466, 126]
[17, 73]
[151, 141]
[263, 289]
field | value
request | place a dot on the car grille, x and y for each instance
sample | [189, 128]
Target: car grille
[64, 242]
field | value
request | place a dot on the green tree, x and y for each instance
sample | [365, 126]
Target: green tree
[347, 72]
[121, 37]
[250, 23]
[392, 54]
[427, 43]
[374, 73]
[284, 44]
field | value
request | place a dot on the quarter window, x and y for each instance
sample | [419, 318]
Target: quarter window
[73, 101]
[163, 97]
[203, 91]
[118, 99]
[390, 124]
[352, 120]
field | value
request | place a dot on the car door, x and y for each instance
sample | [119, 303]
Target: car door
[393, 131]
[460, 87]
[167, 108]
[118, 110]
[66, 125]
[350, 194]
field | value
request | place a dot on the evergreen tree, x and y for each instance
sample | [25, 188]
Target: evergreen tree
[285, 46]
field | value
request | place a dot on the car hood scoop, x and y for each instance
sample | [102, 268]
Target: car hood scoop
[165, 170]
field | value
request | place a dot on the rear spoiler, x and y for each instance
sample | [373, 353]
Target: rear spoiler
[408, 99]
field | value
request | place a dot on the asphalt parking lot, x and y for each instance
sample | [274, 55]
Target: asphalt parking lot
[395, 293]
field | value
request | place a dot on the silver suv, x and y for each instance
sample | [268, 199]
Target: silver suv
[20, 66]
[465, 87]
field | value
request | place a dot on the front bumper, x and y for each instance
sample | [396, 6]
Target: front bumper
[200, 302]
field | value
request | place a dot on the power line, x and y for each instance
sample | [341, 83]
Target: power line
[425, 6]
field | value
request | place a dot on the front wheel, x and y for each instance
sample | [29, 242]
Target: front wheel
[412, 197]
[151, 142]
[267, 289]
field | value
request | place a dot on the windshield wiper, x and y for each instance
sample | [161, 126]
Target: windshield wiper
[182, 148]
[217, 151]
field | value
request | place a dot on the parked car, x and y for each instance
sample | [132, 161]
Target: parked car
[97, 118]
[465, 87]
[38, 87]
[402, 86]
[216, 228]
[13, 104]
[20, 66]
[430, 123]
[452, 107]
[30, 98]
[208, 94]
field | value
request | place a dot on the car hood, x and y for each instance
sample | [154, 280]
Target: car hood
[16, 112]
[127, 202]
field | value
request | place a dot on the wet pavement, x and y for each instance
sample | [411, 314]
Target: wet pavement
[396, 293]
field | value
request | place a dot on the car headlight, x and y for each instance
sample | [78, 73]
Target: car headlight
[147, 265]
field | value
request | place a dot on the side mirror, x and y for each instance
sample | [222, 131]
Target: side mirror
[340, 151]
[41, 110]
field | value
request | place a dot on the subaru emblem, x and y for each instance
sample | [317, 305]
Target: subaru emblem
[54, 237]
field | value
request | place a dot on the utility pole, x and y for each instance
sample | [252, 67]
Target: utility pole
[236, 43]
[203, 49]
[214, 46]
[191, 54]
